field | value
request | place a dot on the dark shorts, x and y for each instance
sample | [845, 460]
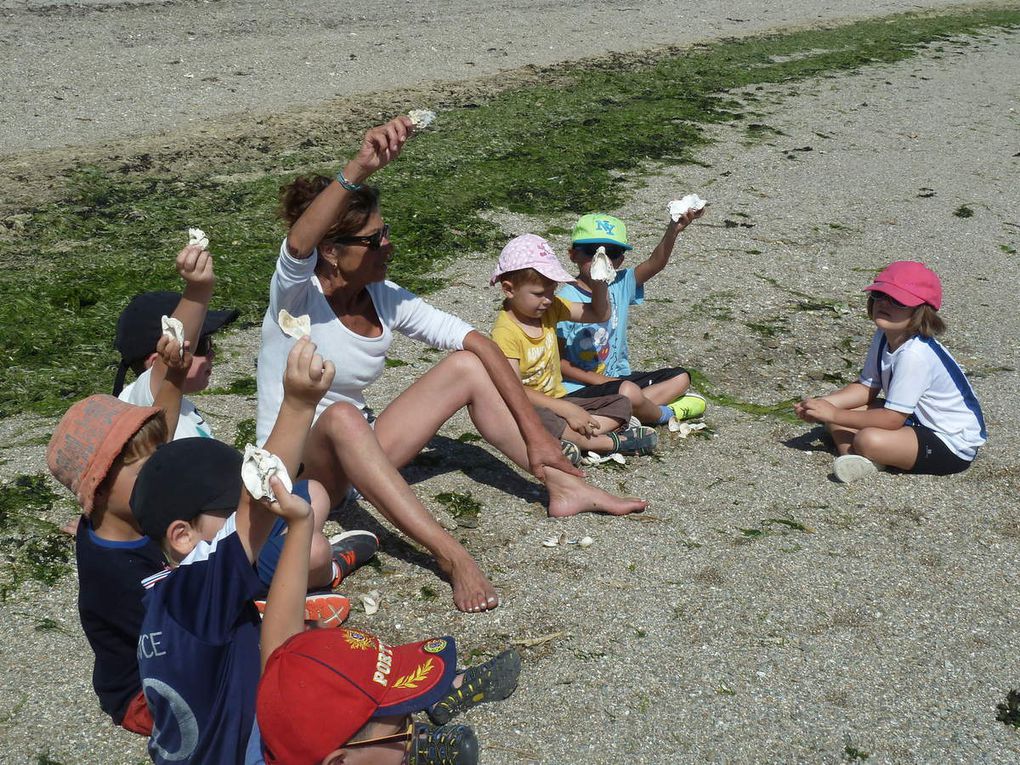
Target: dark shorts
[270, 554]
[640, 379]
[614, 407]
[933, 456]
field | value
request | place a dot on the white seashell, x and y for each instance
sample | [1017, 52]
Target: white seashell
[585, 542]
[551, 542]
[174, 329]
[680, 207]
[601, 268]
[197, 236]
[370, 602]
[563, 538]
[256, 470]
[421, 118]
[617, 457]
[683, 428]
[295, 326]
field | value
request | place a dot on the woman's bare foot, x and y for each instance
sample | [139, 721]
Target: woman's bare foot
[472, 592]
[569, 495]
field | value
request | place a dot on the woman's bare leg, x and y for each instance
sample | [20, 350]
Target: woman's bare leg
[416, 415]
[342, 445]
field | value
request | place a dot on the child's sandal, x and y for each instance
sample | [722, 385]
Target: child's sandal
[442, 745]
[493, 680]
[640, 440]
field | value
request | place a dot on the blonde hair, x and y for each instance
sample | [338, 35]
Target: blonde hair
[924, 321]
[145, 441]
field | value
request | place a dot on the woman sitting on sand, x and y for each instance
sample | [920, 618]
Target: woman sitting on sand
[332, 267]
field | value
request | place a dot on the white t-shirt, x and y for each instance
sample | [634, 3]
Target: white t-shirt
[191, 422]
[922, 380]
[359, 360]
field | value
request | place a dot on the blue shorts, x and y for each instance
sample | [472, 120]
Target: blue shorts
[270, 554]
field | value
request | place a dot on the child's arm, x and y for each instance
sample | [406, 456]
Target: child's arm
[820, 410]
[380, 146]
[577, 418]
[285, 606]
[578, 375]
[305, 381]
[196, 269]
[595, 311]
[171, 391]
[662, 252]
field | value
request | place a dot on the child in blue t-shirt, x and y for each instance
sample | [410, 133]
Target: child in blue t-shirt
[594, 358]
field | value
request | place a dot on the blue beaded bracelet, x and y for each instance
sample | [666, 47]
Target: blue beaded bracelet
[342, 180]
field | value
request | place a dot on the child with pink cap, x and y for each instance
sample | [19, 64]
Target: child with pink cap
[929, 420]
[525, 331]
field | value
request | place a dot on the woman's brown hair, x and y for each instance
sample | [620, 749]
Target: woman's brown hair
[924, 321]
[296, 196]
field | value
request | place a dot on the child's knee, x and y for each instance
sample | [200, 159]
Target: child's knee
[631, 391]
[868, 440]
[321, 553]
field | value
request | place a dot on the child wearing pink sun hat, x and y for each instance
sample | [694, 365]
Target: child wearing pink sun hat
[912, 407]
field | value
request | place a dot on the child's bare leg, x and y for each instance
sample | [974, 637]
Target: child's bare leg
[668, 390]
[342, 444]
[590, 443]
[843, 437]
[897, 448]
[417, 413]
[320, 564]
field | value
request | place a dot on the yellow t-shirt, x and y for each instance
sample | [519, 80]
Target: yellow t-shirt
[538, 357]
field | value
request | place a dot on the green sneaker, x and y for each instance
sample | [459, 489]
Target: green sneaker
[688, 406]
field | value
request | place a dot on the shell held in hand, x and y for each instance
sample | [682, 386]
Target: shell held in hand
[294, 326]
[421, 118]
[256, 470]
[174, 329]
[198, 236]
[678, 208]
[601, 267]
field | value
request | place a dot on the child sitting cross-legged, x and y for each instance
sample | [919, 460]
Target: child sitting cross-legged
[331, 696]
[595, 357]
[525, 331]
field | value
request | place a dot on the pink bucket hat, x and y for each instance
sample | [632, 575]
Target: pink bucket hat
[89, 437]
[910, 283]
[530, 251]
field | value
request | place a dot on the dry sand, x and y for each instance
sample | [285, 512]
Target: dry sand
[886, 627]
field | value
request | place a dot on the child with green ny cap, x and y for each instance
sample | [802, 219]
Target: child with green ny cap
[594, 358]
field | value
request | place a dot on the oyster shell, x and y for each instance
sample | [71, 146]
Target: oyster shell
[256, 470]
[421, 118]
[601, 267]
[591, 458]
[295, 326]
[174, 329]
[197, 236]
[680, 207]
[684, 429]
[585, 542]
[370, 602]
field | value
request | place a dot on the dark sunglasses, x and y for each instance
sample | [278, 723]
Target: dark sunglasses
[614, 251]
[205, 346]
[876, 295]
[373, 241]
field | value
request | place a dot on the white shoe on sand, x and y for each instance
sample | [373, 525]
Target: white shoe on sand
[853, 467]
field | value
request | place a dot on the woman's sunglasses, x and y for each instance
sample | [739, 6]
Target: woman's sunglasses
[614, 251]
[372, 241]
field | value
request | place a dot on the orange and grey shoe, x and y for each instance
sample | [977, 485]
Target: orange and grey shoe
[493, 680]
[326, 609]
[351, 550]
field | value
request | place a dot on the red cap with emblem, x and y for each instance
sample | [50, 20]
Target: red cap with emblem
[322, 686]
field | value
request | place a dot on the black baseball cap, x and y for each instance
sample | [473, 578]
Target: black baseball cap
[184, 479]
[139, 327]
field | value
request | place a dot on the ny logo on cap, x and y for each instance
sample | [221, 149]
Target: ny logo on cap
[604, 225]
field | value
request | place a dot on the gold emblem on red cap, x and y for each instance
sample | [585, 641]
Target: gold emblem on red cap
[358, 640]
[415, 678]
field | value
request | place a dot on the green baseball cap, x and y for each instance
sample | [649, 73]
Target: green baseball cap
[596, 228]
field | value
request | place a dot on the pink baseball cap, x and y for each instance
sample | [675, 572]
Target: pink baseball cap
[910, 283]
[530, 251]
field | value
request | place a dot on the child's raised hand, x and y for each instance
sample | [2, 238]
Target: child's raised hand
[195, 266]
[288, 506]
[169, 352]
[308, 376]
[687, 218]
